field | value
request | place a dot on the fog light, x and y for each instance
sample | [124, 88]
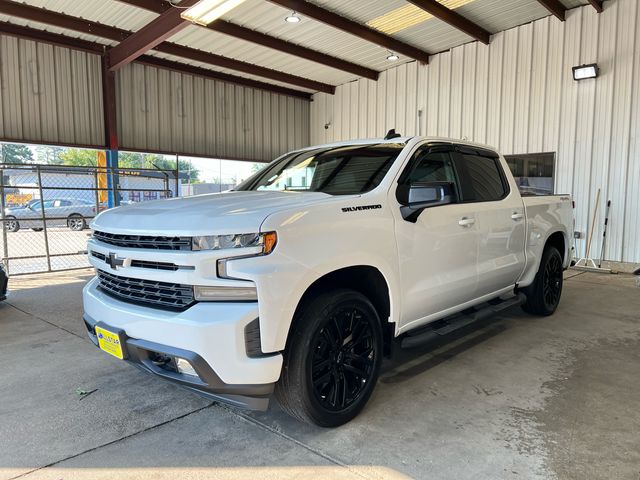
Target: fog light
[185, 367]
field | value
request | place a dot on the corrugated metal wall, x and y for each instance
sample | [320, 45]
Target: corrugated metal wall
[160, 110]
[49, 94]
[518, 95]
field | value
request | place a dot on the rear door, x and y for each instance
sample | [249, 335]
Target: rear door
[499, 214]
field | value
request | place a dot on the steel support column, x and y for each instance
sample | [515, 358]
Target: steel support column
[110, 131]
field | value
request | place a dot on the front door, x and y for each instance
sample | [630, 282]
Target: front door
[439, 252]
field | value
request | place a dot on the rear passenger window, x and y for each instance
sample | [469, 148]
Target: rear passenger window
[484, 178]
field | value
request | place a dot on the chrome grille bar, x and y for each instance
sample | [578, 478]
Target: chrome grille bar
[140, 241]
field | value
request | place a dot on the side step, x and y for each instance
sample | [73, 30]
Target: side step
[448, 325]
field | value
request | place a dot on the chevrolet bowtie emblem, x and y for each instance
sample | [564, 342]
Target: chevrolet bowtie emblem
[115, 262]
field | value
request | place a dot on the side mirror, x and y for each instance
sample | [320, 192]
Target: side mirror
[418, 196]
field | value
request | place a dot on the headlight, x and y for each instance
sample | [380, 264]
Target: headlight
[242, 240]
[225, 294]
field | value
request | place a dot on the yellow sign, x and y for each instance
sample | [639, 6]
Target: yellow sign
[109, 342]
[17, 198]
[102, 177]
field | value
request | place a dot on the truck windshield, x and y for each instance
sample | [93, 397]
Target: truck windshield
[337, 171]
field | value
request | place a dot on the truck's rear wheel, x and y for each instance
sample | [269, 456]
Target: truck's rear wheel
[333, 360]
[543, 295]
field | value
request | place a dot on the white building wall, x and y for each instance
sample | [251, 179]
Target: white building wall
[518, 95]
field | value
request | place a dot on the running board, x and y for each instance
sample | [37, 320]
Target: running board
[451, 324]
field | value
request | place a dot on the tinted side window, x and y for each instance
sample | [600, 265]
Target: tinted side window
[484, 177]
[432, 167]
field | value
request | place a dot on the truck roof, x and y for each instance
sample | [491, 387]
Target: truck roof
[370, 141]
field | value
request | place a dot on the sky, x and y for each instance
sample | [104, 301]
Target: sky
[229, 170]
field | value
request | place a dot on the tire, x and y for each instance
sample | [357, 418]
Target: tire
[37, 229]
[76, 222]
[11, 224]
[322, 345]
[543, 295]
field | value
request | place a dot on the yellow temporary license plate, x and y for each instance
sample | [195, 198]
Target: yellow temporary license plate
[109, 342]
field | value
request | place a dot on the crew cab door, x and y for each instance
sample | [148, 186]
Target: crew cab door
[499, 213]
[437, 250]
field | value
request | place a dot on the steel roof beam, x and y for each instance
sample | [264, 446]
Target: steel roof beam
[224, 77]
[51, 38]
[555, 7]
[148, 37]
[597, 4]
[354, 28]
[454, 19]
[99, 49]
[61, 20]
[274, 43]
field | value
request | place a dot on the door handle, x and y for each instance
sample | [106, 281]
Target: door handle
[466, 222]
[517, 216]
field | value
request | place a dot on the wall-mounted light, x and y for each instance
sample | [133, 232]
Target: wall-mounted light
[584, 72]
[206, 11]
[392, 57]
[293, 18]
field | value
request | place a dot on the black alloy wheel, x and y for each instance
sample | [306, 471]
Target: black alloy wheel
[332, 360]
[552, 282]
[343, 360]
[543, 295]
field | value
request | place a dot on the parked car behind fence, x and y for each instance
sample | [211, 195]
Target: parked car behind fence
[70, 212]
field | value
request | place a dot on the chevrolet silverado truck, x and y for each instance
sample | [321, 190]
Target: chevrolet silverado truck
[298, 282]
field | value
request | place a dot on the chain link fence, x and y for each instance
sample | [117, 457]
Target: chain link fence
[47, 209]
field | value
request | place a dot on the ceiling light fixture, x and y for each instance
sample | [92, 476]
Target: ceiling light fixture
[206, 11]
[392, 57]
[293, 18]
[585, 71]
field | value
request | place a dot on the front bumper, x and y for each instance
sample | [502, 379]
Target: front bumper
[210, 336]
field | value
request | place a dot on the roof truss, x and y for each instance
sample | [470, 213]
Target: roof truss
[369, 34]
[274, 43]
[555, 7]
[61, 20]
[597, 4]
[454, 19]
[151, 35]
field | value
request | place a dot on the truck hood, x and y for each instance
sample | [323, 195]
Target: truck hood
[210, 214]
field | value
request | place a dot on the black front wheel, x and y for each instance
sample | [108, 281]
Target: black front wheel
[543, 295]
[333, 359]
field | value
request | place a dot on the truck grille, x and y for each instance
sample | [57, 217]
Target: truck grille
[143, 263]
[139, 241]
[167, 296]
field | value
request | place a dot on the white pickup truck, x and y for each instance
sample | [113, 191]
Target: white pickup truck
[301, 279]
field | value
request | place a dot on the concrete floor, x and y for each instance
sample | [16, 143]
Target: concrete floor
[515, 397]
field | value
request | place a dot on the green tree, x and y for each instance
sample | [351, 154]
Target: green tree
[132, 160]
[16, 154]
[79, 157]
[49, 155]
[256, 167]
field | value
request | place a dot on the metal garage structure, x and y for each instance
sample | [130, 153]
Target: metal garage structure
[251, 86]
